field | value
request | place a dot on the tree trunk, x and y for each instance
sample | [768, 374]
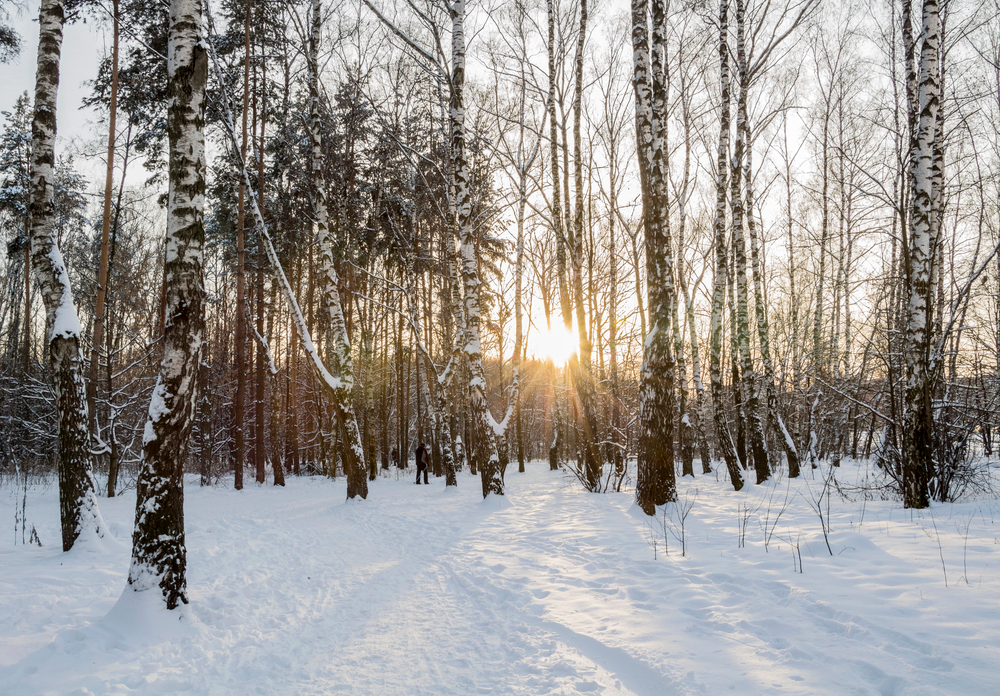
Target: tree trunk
[78, 510]
[204, 424]
[241, 330]
[723, 437]
[292, 461]
[102, 282]
[655, 483]
[26, 355]
[158, 551]
[557, 211]
[259, 436]
[591, 466]
[742, 149]
[484, 446]
[338, 346]
[918, 419]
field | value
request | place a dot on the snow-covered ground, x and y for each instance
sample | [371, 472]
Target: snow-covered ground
[423, 590]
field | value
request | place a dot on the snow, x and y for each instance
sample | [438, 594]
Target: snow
[66, 323]
[546, 590]
[157, 409]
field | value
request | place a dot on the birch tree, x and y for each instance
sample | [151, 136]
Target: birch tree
[78, 511]
[338, 344]
[452, 69]
[159, 556]
[925, 172]
[655, 484]
[591, 467]
[751, 406]
[723, 436]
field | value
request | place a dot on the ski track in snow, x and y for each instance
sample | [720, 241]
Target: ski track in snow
[422, 590]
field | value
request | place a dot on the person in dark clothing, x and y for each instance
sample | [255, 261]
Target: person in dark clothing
[421, 456]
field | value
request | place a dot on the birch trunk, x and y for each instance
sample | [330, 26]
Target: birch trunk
[557, 210]
[723, 437]
[591, 468]
[78, 512]
[655, 483]
[158, 551]
[484, 430]
[26, 354]
[918, 419]
[338, 346]
[751, 406]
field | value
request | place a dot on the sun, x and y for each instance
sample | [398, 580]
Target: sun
[556, 344]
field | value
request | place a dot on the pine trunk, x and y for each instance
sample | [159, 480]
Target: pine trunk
[241, 321]
[102, 277]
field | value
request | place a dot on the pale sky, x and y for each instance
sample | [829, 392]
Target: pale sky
[83, 45]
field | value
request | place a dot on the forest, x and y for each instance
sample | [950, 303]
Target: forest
[742, 239]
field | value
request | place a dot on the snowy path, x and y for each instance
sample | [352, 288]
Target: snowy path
[420, 590]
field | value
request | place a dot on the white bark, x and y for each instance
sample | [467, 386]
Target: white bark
[79, 514]
[918, 419]
[159, 556]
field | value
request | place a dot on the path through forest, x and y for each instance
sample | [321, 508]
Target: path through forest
[422, 590]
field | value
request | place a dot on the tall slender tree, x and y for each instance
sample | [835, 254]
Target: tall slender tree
[338, 344]
[159, 555]
[918, 426]
[78, 511]
[655, 483]
[723, 436]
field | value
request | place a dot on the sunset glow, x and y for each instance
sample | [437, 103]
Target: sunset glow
[556, 344]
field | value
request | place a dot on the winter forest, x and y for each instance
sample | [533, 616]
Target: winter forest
[643, 277]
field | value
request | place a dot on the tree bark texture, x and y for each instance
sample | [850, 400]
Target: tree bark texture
[78, 510]
[592, 465]
[484, 445]
[655, 484]
[918, 421]
[723, 437]
[338, 346]
[740, 150]
[159, 557]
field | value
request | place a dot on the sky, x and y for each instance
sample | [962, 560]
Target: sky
[83, 44]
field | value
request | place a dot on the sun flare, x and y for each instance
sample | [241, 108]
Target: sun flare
[556, 344]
